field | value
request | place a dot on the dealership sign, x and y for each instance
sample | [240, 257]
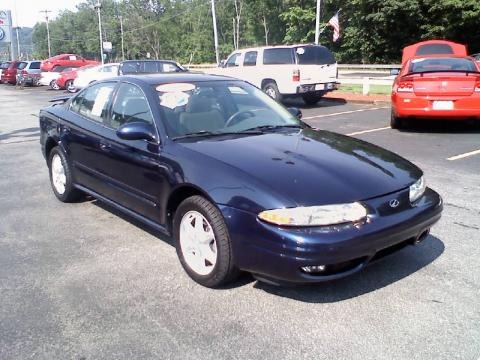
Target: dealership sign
[5, 26]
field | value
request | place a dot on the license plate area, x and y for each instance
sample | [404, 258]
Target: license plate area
[319, 86]
[442, 105]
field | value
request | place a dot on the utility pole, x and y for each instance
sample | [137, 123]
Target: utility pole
[317, 21]
[215, 35]
[18, 43]
[48, 31]
[121, 33]
[98, 7]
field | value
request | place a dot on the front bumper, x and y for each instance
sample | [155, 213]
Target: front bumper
[278, 253]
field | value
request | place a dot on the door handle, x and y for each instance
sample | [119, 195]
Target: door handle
[104, 146]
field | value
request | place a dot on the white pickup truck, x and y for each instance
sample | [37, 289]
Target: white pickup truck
[308, 71]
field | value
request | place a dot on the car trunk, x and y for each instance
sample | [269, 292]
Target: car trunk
[461, 85]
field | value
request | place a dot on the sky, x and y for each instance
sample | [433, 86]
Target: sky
[25, 13]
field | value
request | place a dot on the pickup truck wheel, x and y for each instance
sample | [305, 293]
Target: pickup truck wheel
[61, 176]
[271, 90]
[54, 85]
[311, 98]
[203, 243]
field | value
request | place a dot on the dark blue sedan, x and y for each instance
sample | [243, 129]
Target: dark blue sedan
[237, 179]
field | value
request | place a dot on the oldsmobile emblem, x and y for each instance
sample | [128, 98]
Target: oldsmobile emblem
[394, 203]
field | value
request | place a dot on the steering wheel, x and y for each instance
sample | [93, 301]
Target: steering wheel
[235, 118]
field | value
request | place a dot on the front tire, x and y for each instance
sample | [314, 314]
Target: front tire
[271, 89]
[61, 176]
[203, 244]
[54, 85]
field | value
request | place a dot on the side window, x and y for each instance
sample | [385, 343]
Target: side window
[150, 66]
[93, 102]
[278, 56]
[130, 105]
[250, 58]
[233, 60]
[169, 67]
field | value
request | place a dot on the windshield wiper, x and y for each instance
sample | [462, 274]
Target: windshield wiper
[275, 127]
[206, 133]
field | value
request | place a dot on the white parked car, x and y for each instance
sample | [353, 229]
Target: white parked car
[95, 73]
[307, 71]
[49, 78]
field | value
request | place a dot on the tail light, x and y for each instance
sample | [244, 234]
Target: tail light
[477, 86]
[24, 73]
[296, 75]
[405, 86]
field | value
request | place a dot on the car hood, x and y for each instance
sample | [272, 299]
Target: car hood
[313, 167]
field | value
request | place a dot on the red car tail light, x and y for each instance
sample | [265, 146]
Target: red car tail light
[296, 75]
[477, 86]
[405, 86]
[24, 73]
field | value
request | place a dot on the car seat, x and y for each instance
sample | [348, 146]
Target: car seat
[200, 115]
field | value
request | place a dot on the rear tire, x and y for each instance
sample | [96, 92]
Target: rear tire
[204, 249]
[396, 122]
[61, 176]
[311, 98]
[270, 88]
[69, 86]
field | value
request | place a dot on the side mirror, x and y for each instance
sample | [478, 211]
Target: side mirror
[137, 131]
[394, 72]
[295, 112]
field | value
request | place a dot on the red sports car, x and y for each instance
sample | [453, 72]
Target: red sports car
[62, 61]
[436, 86]
[65, 80]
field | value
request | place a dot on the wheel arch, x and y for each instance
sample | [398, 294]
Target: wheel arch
[49, 145]
[266, 81]
[176, 197]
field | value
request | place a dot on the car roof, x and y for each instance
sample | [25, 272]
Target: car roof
[165, 78]
[62, 55]
[291, 46]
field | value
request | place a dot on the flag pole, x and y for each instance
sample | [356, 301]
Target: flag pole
[317, 22]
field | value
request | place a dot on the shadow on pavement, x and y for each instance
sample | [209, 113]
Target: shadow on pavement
[21, 133]
[377, 275]
[441, 126]
[323, 103]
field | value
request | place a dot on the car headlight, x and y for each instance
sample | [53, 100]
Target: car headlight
[315, 215]
[417, 189]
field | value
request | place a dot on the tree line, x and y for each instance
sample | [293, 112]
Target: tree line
[372, 31]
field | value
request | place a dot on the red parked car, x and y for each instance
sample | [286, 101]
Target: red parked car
[436, 86]
[65, 80]
[9, 75]
[433, 47]
[65, 60]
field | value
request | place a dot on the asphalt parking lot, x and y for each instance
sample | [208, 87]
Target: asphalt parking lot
[81, 281]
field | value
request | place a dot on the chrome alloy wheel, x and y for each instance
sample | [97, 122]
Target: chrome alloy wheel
[198, 244]
[59, 178]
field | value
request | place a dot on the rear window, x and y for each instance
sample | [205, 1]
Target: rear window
[4, 65]
[35, 65]
[430, 49]
[441, 64]
[278, 56]
[21, 65]
[314, 55]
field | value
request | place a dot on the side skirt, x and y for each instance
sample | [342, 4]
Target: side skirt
[125, 210]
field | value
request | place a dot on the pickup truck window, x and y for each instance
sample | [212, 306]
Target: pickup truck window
[232, 60]
[278, 56]
[250, 58]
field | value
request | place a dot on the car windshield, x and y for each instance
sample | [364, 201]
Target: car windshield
[220, 107]
[441, 65]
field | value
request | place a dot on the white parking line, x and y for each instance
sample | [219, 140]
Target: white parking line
[369, 131]
[344, 112]
[464, 155]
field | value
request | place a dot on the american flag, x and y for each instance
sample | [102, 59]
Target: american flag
[335, 24]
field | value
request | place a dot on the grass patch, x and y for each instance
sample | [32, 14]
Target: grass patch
[374, 89]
